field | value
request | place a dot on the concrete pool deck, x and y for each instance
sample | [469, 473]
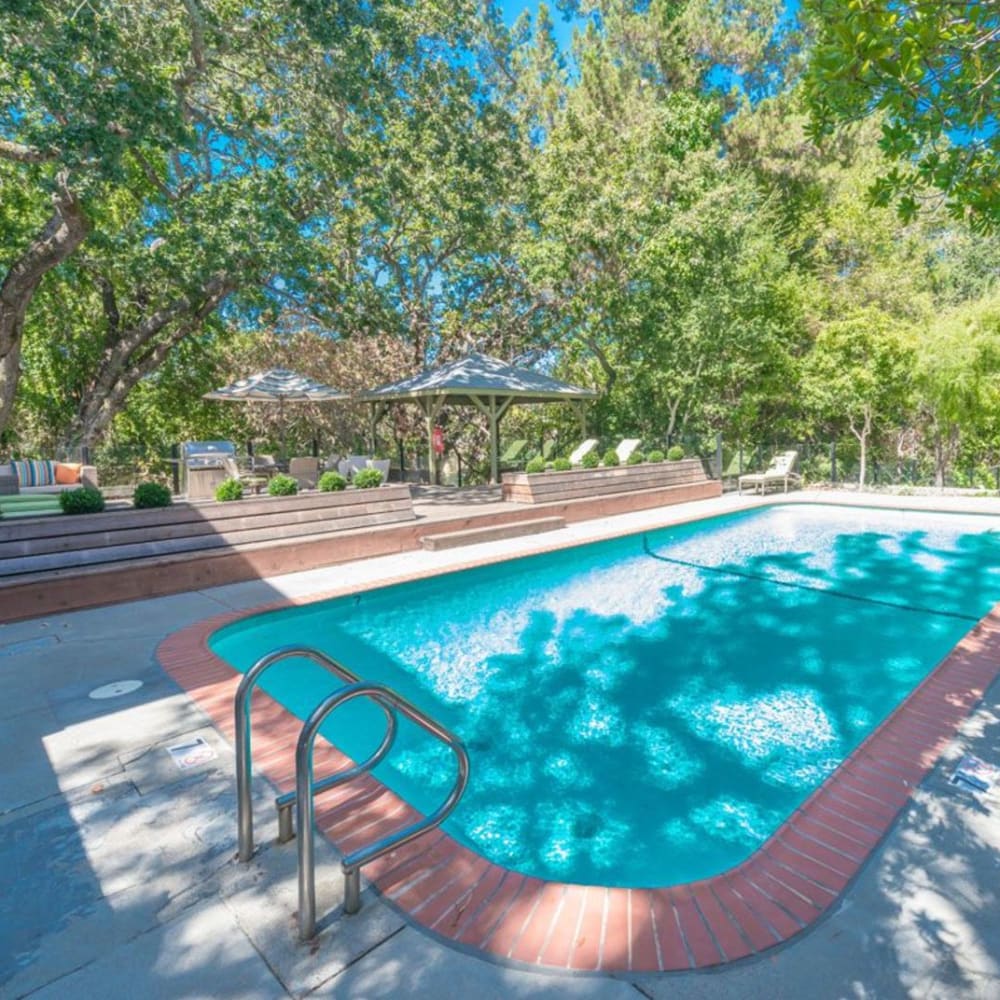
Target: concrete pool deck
[117, 875]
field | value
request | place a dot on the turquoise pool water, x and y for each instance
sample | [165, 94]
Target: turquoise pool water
[647, 710]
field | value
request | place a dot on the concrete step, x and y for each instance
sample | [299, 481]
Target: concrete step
[492, 533]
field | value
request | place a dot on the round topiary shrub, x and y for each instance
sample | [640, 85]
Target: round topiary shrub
[591, 460]
[151, 495]
[229, 489]
[655, 456]
[536, 464]
[282, 486]
[331, 482]
[85, 500]
[636, 458]
[562, 465]
[675, 453]
[366, 479]
[610, 457]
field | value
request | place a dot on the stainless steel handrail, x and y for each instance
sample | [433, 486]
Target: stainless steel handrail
[352, 863]
[244, 759]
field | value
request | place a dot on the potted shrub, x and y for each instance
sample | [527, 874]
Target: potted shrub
[536, 464]
[331, 482]
[591, 460]
[85, 500]
[655, 456]
[229, 489]
[610, 457]
[151, 495]
[636, 458]
[282, 485]
[675, 453]
[366, 479]
[562, 465]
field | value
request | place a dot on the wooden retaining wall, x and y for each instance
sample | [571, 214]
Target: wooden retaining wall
[549, 487]
[42, 592]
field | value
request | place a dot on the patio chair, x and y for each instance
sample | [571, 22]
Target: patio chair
[779, 471]
[331, 462]
[625, 448]
[549, 449]
[255, 481]
[576, 457]
[305, 471]
[263, 463]
[351, 464]
[382, 464]
[514, 453]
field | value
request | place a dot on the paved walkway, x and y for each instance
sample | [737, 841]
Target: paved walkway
[117, 876]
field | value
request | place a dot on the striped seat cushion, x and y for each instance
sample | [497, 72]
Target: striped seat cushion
[34, 472]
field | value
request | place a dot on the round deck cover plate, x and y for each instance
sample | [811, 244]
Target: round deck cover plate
[115, 689]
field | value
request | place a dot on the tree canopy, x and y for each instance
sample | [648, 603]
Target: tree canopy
[193, 190]
[930, 72]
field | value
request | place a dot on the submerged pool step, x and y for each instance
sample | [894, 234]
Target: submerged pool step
[492, 533]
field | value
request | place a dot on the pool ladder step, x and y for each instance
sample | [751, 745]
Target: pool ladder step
[353, 687]
[492, 532]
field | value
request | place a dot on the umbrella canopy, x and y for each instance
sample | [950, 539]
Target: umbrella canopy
[277, 385]
[489, 384]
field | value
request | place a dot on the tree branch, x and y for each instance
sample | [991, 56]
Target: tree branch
[20, 153]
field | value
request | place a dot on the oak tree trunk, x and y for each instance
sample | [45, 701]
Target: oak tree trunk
[65, 230]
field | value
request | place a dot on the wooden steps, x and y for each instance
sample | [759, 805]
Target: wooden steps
[492, 533]
[83, 542]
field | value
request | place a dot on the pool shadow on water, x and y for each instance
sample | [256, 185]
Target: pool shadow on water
[705, 729]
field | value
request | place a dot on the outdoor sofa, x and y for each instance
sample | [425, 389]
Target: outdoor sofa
[28, 476]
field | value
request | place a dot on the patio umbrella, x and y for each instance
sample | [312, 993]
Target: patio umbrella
[277, 385]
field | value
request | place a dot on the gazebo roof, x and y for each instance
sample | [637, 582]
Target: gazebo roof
[476, 376]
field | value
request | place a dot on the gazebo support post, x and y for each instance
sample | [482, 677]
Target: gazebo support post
[432, 408]
[488, 406]
[378, 411]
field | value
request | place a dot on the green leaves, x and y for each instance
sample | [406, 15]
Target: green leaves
[930, 70]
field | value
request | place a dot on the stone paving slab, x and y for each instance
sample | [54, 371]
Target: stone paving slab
[171, 961]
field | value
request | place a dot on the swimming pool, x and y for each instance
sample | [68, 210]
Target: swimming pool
[646, 711]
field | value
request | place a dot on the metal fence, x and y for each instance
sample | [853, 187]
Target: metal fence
[837, 463]
[819, 462]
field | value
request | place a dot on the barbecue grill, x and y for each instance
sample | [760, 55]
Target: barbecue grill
[206, 464]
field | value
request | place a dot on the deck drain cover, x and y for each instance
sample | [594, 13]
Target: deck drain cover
[115, 689]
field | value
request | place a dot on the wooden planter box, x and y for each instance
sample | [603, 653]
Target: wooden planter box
[87, 540]
[552, 487]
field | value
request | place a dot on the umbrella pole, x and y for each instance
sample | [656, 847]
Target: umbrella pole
[284, 429]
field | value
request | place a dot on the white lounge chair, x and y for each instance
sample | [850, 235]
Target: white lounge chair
[577, 456]
[353, 463]
[625, 449]
[779, 471]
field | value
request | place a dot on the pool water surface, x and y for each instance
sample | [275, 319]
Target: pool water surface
[646, 711]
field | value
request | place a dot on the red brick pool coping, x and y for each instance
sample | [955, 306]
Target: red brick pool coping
[778, 892]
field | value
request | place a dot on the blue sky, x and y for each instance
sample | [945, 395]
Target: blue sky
[564, 29]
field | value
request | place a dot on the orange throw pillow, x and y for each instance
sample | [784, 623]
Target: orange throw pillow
[67, 473]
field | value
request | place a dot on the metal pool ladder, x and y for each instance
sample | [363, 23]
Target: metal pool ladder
[391, 703]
